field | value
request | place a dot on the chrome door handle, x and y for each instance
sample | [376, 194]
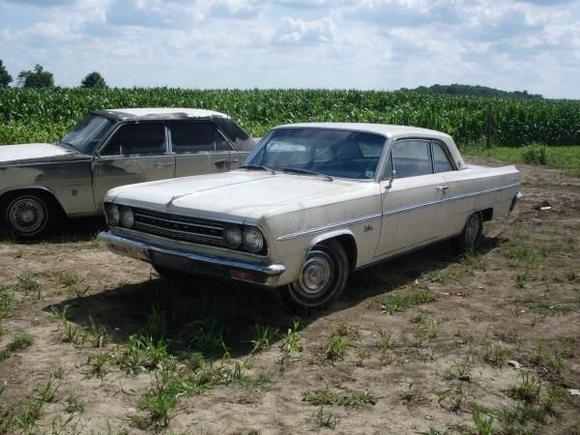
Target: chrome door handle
[163, 165]
[442, 188]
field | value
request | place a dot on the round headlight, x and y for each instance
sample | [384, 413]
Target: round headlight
[233, 236]
[127, 217]
[113, 215]
[253, 240]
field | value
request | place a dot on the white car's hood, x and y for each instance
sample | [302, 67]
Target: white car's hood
[31, 152]
[239, 194]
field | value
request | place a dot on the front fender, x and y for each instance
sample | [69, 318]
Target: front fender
[330, 235]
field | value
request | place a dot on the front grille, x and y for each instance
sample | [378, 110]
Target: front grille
[177, 227]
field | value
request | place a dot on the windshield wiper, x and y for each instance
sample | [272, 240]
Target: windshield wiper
[259, 167]
[307, 172]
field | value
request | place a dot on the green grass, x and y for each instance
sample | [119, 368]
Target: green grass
[22, 418]
[264, 337]
[20, 341]
[327, 397]
[405, 299]
[560, 157]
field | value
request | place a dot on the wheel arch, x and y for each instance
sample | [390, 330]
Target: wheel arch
[43, 191]
[346, 238]
[487, 214]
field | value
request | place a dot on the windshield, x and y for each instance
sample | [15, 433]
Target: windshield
[330, 152]
[86, 135]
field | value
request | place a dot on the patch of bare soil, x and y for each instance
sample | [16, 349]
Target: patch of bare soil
[431, 342]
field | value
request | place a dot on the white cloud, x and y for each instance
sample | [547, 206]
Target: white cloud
[237, 8]
[377, 44]
[292, 31]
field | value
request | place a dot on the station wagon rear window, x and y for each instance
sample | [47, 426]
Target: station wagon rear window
[332, 152]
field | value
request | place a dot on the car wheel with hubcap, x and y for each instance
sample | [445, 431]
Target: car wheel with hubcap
[471, 234]
[28, 216]
[322, 278]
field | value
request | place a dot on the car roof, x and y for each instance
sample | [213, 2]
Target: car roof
[159, 113]
[387, 130]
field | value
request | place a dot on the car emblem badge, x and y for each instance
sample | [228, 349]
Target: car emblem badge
[368, 227]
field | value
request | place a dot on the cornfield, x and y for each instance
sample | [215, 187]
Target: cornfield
[31, 115]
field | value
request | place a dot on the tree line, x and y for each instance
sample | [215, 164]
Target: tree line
[38, 77]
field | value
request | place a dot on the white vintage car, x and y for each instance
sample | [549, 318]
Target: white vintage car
[312, 203]
[41, 182]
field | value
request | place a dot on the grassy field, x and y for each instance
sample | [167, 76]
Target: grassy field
[28, 115]
[559, 157]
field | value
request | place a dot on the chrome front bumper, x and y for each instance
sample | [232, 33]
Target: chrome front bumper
[193, 263]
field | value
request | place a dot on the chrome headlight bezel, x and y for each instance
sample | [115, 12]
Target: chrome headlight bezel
[127, 217]
[112, 214]
[253, 240]
[233, 236]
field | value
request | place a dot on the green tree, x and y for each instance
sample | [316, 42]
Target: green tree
[5, 78]
[94, 80]
[37, 78]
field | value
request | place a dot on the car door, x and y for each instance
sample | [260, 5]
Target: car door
[135, 153]
[199, 148]
[410, 194]
[453, 210]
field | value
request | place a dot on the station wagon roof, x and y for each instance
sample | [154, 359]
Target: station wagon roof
[159, 113]
[387, 130]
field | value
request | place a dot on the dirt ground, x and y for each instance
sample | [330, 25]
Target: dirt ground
[431, 342]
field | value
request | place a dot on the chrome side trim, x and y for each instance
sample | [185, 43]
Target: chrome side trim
[445, 200]
[336, 225]
[329, 227]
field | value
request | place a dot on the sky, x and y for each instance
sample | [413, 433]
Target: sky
[361, 44]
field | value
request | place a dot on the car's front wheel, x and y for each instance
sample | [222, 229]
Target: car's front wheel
[322, 278]
[28, 215]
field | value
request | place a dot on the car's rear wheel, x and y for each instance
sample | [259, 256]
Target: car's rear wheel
[322, 278]
[470, 237]
[28, 215]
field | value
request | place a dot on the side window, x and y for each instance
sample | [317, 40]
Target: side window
[195, 137]
[220, 143]
[234, 133]
[388, 172]
[441, 162]
[411, 158]
[137, 139]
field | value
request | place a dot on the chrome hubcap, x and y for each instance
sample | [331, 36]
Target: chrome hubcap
[26, 215]
[472, 231]
[316, 274]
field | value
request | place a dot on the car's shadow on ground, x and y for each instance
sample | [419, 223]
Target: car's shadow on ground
[199, 312]
[64, 231]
